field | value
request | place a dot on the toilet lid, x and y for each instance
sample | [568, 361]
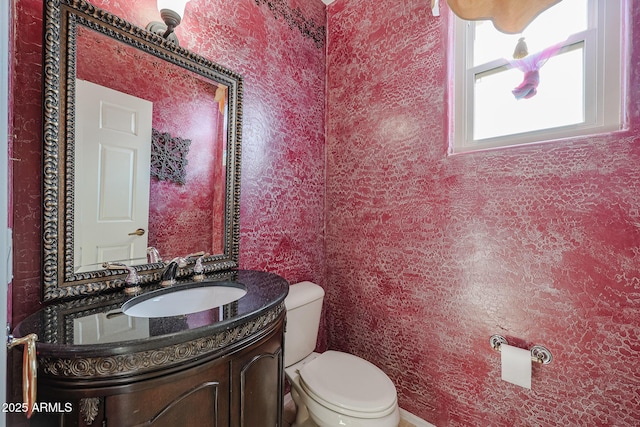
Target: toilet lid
[348, 382]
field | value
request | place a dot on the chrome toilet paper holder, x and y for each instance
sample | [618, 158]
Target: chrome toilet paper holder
[539, 353]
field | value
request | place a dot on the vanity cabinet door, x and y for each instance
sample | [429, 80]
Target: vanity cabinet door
[197, 396]
[257, 376]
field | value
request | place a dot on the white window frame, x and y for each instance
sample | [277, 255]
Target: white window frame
[605, 81]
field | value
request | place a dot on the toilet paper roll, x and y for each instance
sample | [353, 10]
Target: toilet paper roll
[516, 365]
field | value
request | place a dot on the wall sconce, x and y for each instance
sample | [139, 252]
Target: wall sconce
[171, 12]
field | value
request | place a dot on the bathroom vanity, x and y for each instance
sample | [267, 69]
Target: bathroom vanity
[221, 367]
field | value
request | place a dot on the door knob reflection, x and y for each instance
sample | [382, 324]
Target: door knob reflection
[138, 232]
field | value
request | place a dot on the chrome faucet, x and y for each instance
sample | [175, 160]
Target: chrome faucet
[169, 274]
[131, 282]
[182, 261]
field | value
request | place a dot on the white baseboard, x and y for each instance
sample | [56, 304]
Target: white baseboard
[418, 422]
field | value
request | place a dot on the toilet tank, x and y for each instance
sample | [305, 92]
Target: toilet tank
[304, 306]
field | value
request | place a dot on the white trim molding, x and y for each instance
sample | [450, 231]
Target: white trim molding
[418, 422]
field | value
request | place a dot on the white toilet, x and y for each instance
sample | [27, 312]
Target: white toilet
[332, 388]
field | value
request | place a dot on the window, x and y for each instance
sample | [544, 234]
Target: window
[581, 84]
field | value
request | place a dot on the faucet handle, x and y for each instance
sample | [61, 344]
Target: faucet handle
[153, 255]
[131, 286]
[198, 270]
[182, 261]
[195, 254]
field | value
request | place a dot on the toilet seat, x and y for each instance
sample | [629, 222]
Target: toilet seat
[348, 384]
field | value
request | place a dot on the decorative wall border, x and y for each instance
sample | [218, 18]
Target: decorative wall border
[296, 19]
[151, 360]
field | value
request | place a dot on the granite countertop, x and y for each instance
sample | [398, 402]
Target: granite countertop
[96, 327]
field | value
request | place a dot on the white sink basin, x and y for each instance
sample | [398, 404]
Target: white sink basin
[183, 299]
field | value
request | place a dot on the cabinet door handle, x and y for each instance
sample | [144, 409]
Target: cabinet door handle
[138, 232]
[29, 369]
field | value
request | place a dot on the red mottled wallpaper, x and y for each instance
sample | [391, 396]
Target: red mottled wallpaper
[428, 255]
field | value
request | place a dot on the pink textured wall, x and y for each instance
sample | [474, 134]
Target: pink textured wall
[428, 255]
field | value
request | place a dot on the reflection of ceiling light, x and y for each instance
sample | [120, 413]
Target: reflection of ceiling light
[171, 12]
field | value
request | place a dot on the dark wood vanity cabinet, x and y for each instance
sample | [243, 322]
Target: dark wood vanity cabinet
[200, 393]
[258, 377]
[240, 385]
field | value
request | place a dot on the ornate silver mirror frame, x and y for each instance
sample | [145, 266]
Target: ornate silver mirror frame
[62, 18]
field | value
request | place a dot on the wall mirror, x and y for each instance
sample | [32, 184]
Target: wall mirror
[141, 149]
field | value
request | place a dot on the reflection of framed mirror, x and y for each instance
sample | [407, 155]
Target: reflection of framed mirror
[191, 99]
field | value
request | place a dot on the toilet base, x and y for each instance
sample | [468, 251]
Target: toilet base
[310, 413]
[302, 417]
[322, 417]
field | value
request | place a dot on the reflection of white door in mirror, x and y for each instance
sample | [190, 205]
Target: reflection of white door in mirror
[103, 328]
[112, 160]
